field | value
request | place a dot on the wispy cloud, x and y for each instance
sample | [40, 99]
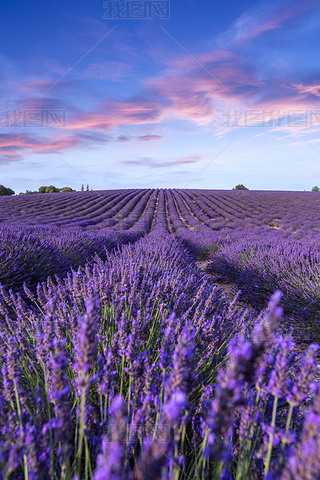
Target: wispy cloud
[154, 163]
[180, 161]
[15, 146]
[308, 89]
[177, 89]
[109, 70]
[265, 17]
[150, 138]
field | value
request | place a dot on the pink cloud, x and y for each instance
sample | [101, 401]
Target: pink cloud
[137, 111]
[187, 89]
[41, 103]
[8, 140]
[17, 145]
[54, 85]
[259, 30]
[55, 144]
[308, 89]
[194, 90]
[289, 9]
[250, 26]
[85, 121]
[193, 93]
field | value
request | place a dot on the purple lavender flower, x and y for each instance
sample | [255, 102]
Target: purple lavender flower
[62, 399]
[109, 462]
[303, 461]
[279, 379]
[173, 408]
[168, 339]
[154, 460]
[300, 386]
[86, 346]
[182, 375]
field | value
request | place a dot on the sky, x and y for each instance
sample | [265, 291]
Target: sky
[160, 94]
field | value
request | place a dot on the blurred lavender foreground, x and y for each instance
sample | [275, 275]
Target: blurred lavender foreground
[128, 363]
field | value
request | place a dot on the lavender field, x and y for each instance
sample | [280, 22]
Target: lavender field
[122, 357]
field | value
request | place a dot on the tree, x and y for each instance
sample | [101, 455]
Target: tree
[82, 188]
[315, 189]
[87, 189]
[43, 189]
[52, 189]
[240, 187]
[5, 191]
[66, 189]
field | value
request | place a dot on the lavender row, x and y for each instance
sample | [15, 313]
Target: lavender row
[83, 209]
[31, 254]
[260, 261]
[109, 215]
[160, 222]
[194, 210]
[145, 221]
[137, 214]
[260, 264]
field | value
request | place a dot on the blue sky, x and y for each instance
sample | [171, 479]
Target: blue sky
[214, 95]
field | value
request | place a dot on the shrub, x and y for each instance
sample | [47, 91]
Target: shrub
[240, 187]
[5, 191]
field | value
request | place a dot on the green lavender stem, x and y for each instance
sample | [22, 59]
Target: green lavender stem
[271, 436]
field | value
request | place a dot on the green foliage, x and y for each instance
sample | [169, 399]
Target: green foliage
[5, 191]
[52, 189]
[28, 192]
[48, 189]
[240, 187]
[315, 189]
[208, 250]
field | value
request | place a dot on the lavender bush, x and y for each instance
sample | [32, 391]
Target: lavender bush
[31, 254]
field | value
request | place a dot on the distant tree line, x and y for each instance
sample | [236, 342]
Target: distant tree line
[43, 189]
[52, 189]
[48, 189]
